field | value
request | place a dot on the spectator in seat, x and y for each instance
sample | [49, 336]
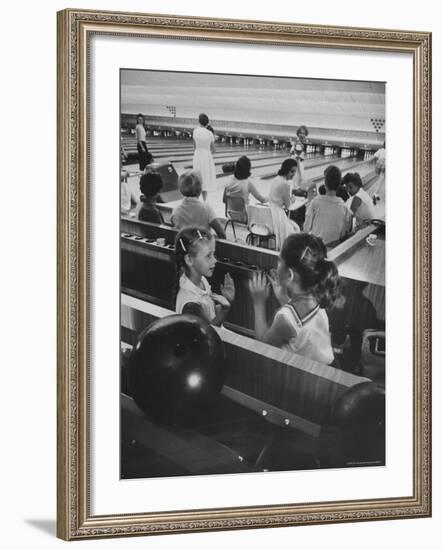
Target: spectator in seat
[327, 216]
[191, 211]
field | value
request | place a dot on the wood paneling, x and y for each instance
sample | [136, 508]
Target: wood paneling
[294, 384]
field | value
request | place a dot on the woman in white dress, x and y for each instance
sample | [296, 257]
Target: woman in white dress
[280, 198]
[204, 147]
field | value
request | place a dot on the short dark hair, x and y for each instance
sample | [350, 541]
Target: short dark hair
[286, 166]
[242, 168]
[150, 184]
[332, 177]
[140, 116]
[342, 193]
[352, 177]
[203, 119]
[302, 127]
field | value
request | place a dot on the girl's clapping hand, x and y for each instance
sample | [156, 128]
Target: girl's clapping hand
[279, 291]
[272, 278]
[259, 286]
[227, 289]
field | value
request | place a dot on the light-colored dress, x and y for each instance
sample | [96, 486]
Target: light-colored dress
[189, 292]
[241, 189]
[202, 160]
[279, 197]
[311, 333]
[204, 297]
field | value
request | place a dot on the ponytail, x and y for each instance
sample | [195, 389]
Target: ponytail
[306, 254]
[327, 288]
[179, 270]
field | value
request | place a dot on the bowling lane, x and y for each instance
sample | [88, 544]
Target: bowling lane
[183, 159]
[221, 157]
[358, 260]
[181, 155]
[182, 152]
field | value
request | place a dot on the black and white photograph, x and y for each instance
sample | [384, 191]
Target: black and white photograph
[156, 397]
[252, 273]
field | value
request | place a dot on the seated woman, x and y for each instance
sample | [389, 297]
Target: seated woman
[191, 211]
[150, 186]
[327, 216]
[360, 203]
[240, 186]
[239, 183]
[280, 200]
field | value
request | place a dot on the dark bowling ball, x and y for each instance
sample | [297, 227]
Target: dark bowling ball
[359, 416]
[361, 404]
[177, 368]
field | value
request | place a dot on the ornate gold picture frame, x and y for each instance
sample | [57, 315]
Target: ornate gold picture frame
[77, 518]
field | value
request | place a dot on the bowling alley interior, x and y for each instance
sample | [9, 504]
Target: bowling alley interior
[252, 271]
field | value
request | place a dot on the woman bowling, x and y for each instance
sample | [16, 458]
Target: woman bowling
[194, 262]
[204, 147]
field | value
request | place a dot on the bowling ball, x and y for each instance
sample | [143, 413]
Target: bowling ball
[359, 418]
[228, 168]
[177, 368]
[360, 405]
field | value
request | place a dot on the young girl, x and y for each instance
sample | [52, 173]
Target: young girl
[194, 262]
[306, 282]
[150, 186]
[191, 211]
